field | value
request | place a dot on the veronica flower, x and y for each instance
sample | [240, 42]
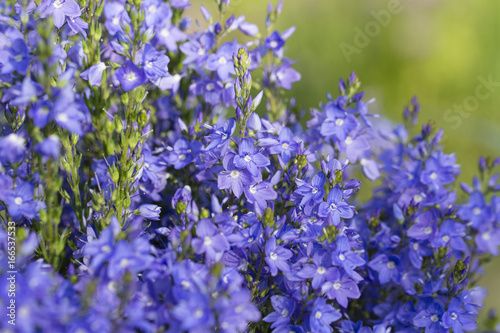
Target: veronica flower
[154, 64]
[387, 268]
[194, 313]
[341, 288]
[156, 12]
[12, 148]
[220, 137]
[344, 257]
[430, 319]
[130, 76]
[20, 201]
[285, 76]
[181, 154]
[277, 257]
[210, 241]
[15, 58]
[337, 122]
[336, 206]
[458, 319]
[286, 145]
[476, 211]
[59, 9]
[116, 16]
[283, 309]
[249, 157]
[150, 212]
[274, 41]
[169, 35]
[233, 178]
[94, 74]
[222, 62]
[320, 270]
[313, 191]
[198, 50]
[49, 147]
[78, 25]
[322, 315]
[260, 194]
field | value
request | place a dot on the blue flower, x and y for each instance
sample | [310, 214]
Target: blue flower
[210, 241]
[12, 148]
[94, 74]
[233, 178]
[322, 315]
[286, 145]
[222, 61]
[430, 319]
[341, 287]
[154, 64]
[49, 147]
[458, 319]
[130, 76]
[248, 157]
[283, 309]
[277, 257]
[336, 206]
[387, 268]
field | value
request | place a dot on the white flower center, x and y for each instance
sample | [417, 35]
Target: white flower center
[434, 318]
[285, 146]
[207, 241]
[253, 189]
[210, 87]
[201, 52]
[164, 32]
[284, 313]
[486, 236]
[391, 265]
[321, 270]
[58, 4]
[454, 316]
[222, 61]
[198, 313]
[18, 201]
[131, 77]
[416, 246]
[339, 122]
[417, 198]
[342, 257]
[185, 284]
[124, 263]
[152, 9]
[18, 57]
[428, 230]
[348, 140]
[273, 44]
[248, 158]
[149, 64]
[235, 174]
[337, 285]
[115, 20]
[314, 190]
[318, 314]
[476, 211]
[446, 238]
[273, 256]
[434, 176]
[15, 140]
[333, 206]
[62, 117]
[105, 249]
[182, 157]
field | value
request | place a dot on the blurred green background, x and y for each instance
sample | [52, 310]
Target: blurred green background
[435, 49]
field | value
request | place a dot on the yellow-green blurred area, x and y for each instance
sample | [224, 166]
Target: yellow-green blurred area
[435, 49]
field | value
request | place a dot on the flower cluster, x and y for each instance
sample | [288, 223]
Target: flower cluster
[160, 179]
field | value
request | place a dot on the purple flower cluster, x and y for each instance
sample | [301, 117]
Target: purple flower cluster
[160, 181]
